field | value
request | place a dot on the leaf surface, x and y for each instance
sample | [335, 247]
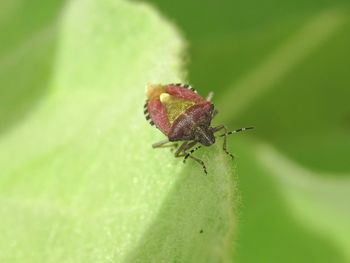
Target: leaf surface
[79, 180]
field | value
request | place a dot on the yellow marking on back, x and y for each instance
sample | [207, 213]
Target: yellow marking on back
[153, 91]
[174, 106]
[164, 98]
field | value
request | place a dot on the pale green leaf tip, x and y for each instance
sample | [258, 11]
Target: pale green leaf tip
[196, 220]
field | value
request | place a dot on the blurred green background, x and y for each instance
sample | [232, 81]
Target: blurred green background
[282, 66]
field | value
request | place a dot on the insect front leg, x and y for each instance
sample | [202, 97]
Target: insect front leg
[183, 147]
[182, 151]
[189, 154]
[224, 146]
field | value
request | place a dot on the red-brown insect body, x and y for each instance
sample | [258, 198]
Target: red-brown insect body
[194, 124]
[180, 113]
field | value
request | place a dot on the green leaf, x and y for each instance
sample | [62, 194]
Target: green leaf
[297, 95]
[321, 203]
[27, 48]
[294, 119]
[269, 224]
[79, 181]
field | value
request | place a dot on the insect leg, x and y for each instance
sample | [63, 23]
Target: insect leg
[190, 152]
[218, 128]
[215, 112]
[224, 147]
[181, 149]
[163, 144]
[210, 96]
[200, 162]
[182, 152]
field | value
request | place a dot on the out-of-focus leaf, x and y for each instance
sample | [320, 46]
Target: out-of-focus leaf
[21, 19]
[28, 32]
[321, 203]
[79, 181]
[305, 126]
[298, 95]
[267, 224]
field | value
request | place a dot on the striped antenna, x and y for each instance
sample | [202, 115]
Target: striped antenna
[236, 131]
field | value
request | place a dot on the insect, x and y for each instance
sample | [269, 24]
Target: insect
[185, 118]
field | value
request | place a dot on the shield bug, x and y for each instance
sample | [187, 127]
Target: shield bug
[185, 118]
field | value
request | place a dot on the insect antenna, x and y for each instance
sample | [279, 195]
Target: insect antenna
[236, 131]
